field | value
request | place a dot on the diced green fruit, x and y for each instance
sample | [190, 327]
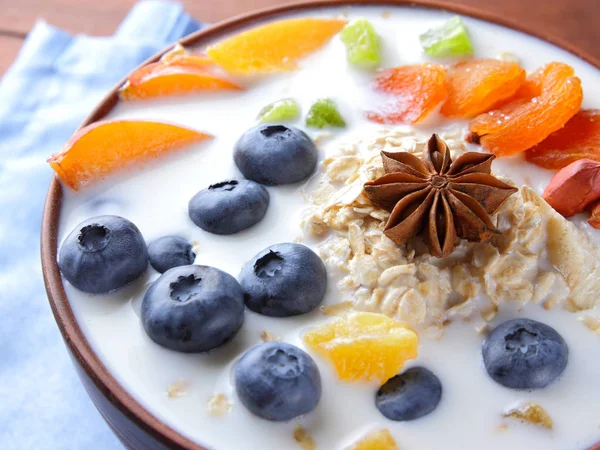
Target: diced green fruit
[280, 111]
[451, 39]
[324, 113]
[363, 47]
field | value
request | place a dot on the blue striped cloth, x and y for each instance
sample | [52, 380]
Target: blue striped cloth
[55, 81]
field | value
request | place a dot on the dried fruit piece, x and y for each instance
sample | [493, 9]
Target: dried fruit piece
[180, 56]
[572, 189]
[280, 111]
[324, 113]
[476, 86]
[304, 439]
[543, 104]
[364, 346]
[107, 146]
[158, 80]
[450, 39]
[532, 413]
[578, 139]
[376, 440]
[363, 47]
[594, 219]
[274, 47]
[414, 91]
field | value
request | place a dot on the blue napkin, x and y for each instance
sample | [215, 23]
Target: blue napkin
[55, 81]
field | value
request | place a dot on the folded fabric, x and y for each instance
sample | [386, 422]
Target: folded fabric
[54, 83]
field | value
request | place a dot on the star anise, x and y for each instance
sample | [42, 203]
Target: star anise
[437, 198]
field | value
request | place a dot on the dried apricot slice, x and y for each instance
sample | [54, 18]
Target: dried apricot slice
[274, 47]
[364, 346]
[475, 86]
[158, 79]
[106, 146]
[542, 105]
[376, 440]
[578, 139]
[414, 91]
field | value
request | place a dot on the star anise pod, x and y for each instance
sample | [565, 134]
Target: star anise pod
[437, 198]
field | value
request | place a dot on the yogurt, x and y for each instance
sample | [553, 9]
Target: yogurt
[155, 198]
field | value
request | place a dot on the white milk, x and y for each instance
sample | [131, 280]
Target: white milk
[156, 198]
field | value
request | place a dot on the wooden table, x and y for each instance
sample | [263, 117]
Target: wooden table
[573, 20]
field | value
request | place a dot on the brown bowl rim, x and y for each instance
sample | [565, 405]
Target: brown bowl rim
[72, 334]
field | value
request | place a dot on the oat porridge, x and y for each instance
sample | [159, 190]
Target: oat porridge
[381, 234]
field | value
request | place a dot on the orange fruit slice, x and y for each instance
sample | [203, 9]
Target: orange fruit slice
[364, 346]
[543, 104]
[159, 79]
[412, 93]
[104, 147]
[578, 139]
[376, 440]
[475, 86]
[274, 47]
[180, 56]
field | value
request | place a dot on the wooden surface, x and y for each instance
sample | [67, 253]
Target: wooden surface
[572, 20]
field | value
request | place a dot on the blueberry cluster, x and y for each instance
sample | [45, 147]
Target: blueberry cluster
[192, 308]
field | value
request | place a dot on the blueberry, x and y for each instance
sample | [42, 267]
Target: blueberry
[524, 354]
[277, 381]
[284, 280]
[413, 394]
[170, 251]
[103, 254]
[229, 206]
[275, 154]
[193, 309]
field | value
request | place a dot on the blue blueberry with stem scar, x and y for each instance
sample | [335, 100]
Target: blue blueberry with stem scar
[103, 254]
[193, 309]
[229, 206]
[277, 381]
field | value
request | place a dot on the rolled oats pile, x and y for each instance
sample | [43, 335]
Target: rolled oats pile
[531, 261]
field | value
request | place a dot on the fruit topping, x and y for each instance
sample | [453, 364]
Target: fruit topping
[274, 47]
[412, 93]
[277, 381]
[162, 79]
[376, 440]
[275, 154]
[413, 394]
[229, 206]
[449, 39]
[475, 86]
[103, 254]
[363, 47]
[280, 111]
[543, 104]
[364, 346]
[193, 309]
[438, 198]
[284, 280]
[578, 139]
[524, 354]
[324, 113]
[104, 147]
[594, 219]
[180, 56]
[573, 189]
[170, 251]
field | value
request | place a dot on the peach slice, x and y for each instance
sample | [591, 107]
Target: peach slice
[106, 146]
[274, 47]
[542, 105]
[159, 79]
[413, 92]
[475, 86]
